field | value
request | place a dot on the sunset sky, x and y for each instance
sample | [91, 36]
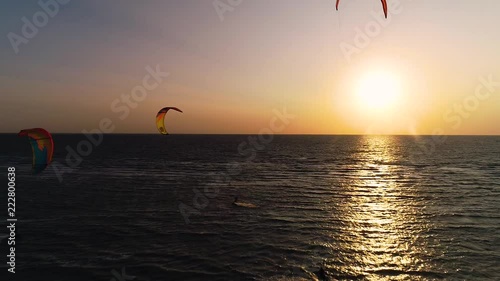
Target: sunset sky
[426, 69]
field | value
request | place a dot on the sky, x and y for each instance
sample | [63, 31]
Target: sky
[234, 66]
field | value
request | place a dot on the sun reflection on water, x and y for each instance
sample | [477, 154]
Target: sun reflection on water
[382, 227]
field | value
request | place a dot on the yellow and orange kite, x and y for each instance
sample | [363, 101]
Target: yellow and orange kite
[160, 119]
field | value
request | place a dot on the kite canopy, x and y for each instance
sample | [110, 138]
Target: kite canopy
[42, 147]
[384, 6]
[160, 119]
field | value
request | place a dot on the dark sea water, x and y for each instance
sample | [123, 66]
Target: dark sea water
[364, 207]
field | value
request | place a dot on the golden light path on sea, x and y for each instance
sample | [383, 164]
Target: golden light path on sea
[382, 225]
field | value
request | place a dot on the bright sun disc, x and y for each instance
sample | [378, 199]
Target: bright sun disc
[378, 91]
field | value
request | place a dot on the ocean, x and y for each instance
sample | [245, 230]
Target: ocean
[153, 207]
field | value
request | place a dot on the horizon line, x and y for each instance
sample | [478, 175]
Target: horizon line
[254, 134]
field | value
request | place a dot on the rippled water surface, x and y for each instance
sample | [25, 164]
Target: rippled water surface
[160, 208]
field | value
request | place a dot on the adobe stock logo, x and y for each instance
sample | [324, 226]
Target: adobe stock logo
[223, 6]
[30, 28]
[248, 149]
[372, 29]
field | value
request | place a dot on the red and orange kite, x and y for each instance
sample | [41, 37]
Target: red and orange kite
[42, 147]
[384, 5]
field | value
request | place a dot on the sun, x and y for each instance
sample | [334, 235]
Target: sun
[378, 91]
